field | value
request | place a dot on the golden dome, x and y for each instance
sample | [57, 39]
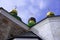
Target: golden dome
[50, 14]
[32, 19]
[14, 11]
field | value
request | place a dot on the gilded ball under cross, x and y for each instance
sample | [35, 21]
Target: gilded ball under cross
[50, 14]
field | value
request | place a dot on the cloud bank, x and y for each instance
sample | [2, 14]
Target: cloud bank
[32, 8]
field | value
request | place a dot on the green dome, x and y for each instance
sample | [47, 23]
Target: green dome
[32, 18]
[14, 12]
[49, 14]
[31, 22]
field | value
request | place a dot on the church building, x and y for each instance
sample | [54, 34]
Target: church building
[13, 28]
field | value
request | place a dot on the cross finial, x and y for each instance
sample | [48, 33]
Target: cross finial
[48, 9]
[15, 7]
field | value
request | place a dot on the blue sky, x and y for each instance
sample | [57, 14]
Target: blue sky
[32, 8]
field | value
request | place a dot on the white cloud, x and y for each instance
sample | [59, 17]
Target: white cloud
[26, 8]
[6, 4]
[42, 4]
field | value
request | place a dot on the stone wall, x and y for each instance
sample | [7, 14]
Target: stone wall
[4, 27]
[8, 28]
[48, 29]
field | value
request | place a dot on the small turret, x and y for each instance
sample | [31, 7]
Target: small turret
[14, 12]
[50, 14]
[31, 22]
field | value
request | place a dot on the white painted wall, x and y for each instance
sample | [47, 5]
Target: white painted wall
[25, 39]
[48, 29]
[55, 27]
